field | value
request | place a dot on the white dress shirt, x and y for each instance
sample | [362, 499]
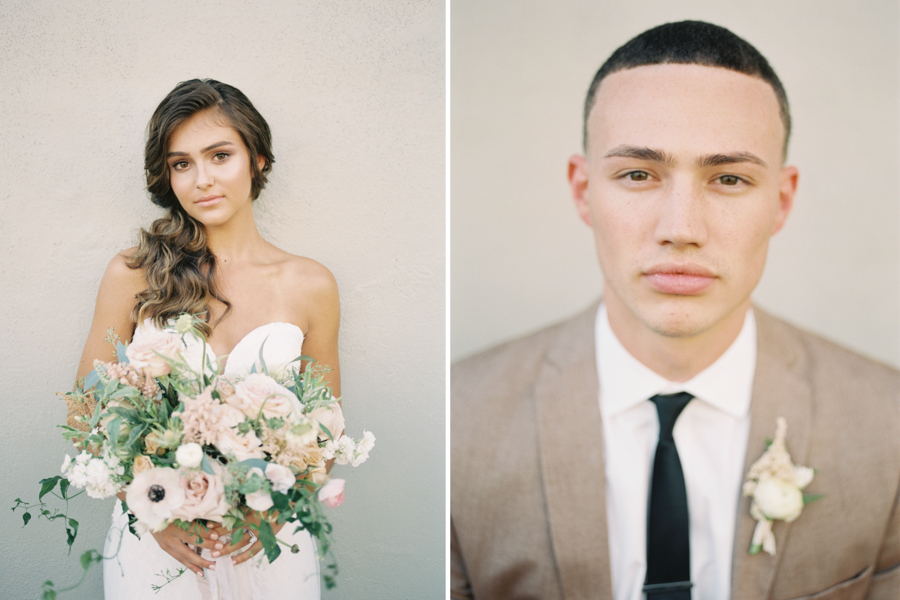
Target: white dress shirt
[711, 437]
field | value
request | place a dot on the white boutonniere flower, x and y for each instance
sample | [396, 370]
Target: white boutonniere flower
[775, 486]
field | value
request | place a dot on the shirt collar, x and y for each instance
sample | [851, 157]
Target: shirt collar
[727, 384]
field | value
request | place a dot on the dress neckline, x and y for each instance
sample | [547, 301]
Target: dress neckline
[215, 356]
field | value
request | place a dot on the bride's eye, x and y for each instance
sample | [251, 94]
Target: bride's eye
[180, 165]
[220, 156]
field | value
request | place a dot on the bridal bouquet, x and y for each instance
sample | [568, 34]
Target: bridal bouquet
[187, 443]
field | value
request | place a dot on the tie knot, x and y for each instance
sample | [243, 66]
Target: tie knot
[668, 407]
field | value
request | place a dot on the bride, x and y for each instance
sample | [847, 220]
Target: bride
[207, 156]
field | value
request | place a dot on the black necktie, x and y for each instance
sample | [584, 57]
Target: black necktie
[668, 525]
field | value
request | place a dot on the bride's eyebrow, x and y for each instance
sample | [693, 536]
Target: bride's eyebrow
[207, 149]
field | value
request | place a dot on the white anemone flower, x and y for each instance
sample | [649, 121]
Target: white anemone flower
[153, 495]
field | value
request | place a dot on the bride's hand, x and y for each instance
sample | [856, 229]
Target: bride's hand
[251, 517]
[175, 541]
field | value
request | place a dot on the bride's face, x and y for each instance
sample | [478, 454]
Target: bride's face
[209, 170]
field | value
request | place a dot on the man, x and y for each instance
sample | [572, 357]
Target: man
[606, 457]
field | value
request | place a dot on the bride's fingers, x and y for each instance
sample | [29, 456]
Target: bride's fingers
[190, 559]
[195, 536]
[248, 554]
[230, 547]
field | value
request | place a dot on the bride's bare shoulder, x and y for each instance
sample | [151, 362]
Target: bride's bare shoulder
[311, 284]
[121, 278]
[309, 275]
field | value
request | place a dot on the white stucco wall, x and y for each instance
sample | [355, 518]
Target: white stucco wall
[520, 258]
[354, 93]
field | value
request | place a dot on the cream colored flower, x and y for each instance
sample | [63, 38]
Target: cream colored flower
[189, 455]
[774, 483]
[258, 392]
[141, 463]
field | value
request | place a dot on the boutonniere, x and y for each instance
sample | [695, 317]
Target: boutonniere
[775, 486]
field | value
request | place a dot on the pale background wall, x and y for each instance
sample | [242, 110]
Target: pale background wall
[354, 93]
[520, 258]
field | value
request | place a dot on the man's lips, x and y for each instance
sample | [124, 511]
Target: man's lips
[684, 280]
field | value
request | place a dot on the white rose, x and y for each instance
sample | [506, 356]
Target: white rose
[147, 354]
[189, 455]
[778, 499]
[259, 391]
[281, 477]
[332, 417]
[231, 441]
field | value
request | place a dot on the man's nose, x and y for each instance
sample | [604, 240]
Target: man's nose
[681, 217]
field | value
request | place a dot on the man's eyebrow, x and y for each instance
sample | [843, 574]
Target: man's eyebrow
[207, 149]
[642, 153]
[714, 160]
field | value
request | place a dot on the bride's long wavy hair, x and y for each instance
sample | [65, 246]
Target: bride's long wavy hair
[180, 268]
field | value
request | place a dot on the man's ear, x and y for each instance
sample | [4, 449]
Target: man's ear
[786, 191]
[578, 182]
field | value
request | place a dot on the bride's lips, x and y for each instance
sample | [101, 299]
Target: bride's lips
[683, 280]
[208, 200]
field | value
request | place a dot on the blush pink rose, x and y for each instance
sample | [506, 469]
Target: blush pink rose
[332, 417]
[204, 495]
[259, 391]
[147, 354]
[229, 441]
[332, 493]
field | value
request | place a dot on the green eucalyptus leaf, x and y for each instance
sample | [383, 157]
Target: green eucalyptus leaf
[91, 379]
[327, 431]
[96, 416]
[807, 498]
[135, 435]
[255, 462]
[262, 361]
[126, 392]
[113, 429]
[120, 353]
[205, 465]
[129, 414]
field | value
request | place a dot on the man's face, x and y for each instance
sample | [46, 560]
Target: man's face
[683, 187]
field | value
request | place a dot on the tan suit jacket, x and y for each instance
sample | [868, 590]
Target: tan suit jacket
[528, 505]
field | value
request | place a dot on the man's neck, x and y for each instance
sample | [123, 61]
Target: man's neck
[675, 358]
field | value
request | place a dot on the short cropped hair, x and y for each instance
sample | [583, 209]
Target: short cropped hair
[691, 43]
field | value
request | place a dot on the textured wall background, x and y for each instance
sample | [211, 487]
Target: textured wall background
[354, 93]
[522, 259]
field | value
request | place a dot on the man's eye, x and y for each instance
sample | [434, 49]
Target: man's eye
[729, 180]
[638, 176]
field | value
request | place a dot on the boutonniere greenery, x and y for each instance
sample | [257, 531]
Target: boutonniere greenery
[774, 485]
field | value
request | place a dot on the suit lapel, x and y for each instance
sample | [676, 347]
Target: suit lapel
[571, 447]
[779, 390]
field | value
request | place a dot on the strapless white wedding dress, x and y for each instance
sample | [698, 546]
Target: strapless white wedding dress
[140, 563]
